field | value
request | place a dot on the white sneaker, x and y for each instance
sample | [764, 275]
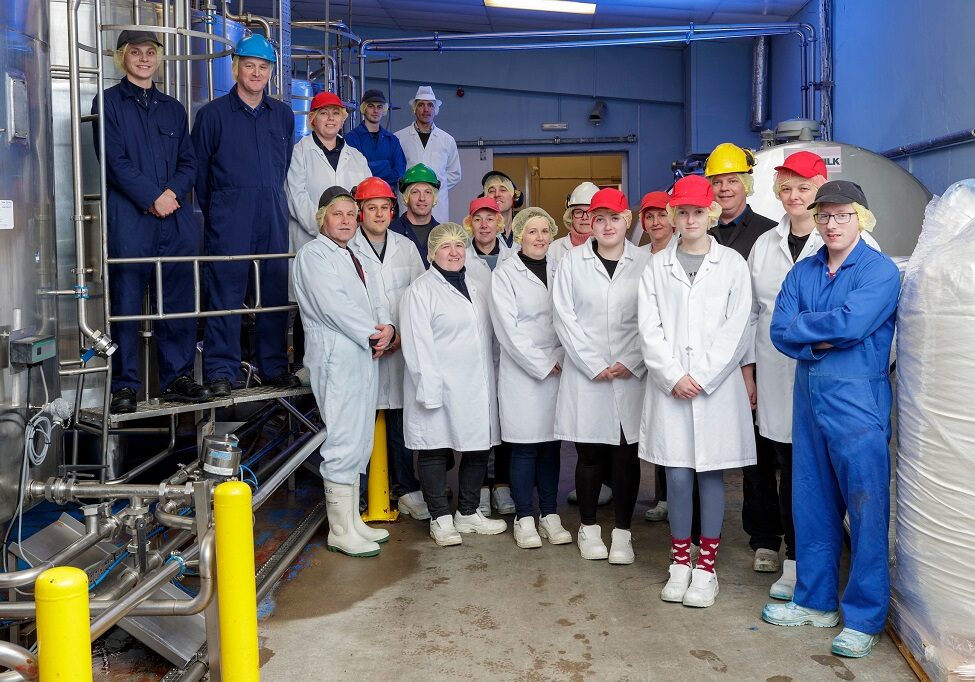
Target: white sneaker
[526, 536]
[501, 496]
[413, 504]
[621, 548]
[550, 528]
[766, 561]
[304, 376]
[484, 506]
[657, 512]
[703, 589]
[786, 584]
[680, 579]
[443, 532]
[591, 544]
[478, 523]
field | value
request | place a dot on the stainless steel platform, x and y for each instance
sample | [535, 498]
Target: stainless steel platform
[148, 408]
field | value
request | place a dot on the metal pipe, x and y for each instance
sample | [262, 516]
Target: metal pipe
[205, 313]
[130, 577]
[308, 446]
[82, 370]
[619, 139]
[22, 664]
[760, 51]
[62, 490]
[165, 516]
[116, 611]
[297, 414]
[931, 144]
[152, 461]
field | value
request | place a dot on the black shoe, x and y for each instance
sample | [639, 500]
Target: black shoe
[123, 401]
[219, 388]
[185, 390]
[285, 380]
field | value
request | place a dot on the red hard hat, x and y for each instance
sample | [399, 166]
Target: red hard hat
[692, 190]
[373, 188]
[654, 200]
[609, 198]
[326, 99]
[483, 202]
[805, 164]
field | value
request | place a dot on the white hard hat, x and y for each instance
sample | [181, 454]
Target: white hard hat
[581, 195]
[424, 93]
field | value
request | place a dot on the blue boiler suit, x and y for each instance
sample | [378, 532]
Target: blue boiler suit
[841, 427]
[147, 150]
[384, 152]
[243, 156]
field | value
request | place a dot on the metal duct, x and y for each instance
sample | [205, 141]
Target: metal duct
[760, 91]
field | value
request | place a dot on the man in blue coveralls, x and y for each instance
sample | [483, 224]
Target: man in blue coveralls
[835, 316]
[150, 170]
[380, 147]
[243, 148]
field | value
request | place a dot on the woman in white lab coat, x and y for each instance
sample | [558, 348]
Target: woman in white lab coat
[450, 395]
[396, 263]
[601, 390]
[347, 327]
[528, 378]
[695, 301]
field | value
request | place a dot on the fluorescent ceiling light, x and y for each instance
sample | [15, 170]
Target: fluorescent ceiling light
[545, 5]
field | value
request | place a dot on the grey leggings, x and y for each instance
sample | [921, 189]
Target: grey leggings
[680, 491]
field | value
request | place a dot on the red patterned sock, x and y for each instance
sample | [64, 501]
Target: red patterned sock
[680, 550]
[708, 554]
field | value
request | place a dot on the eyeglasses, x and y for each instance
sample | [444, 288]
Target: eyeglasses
[838, 218]
[580, 213]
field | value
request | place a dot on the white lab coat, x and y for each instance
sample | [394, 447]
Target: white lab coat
[309, 175]
[441, 155]
[596, 321]
[395, 272]
[450, 396]
[559, 248]
[339, 315]
[769, 262]
[701, 330]
[521, 309]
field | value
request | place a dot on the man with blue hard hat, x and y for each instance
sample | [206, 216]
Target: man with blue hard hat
[243, 148]
[835, 315]
[381, 148]
[150, 169]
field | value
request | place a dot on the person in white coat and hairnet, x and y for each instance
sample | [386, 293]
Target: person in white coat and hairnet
[528, 378]
[601, 391]
[319, 161]
[396, 263]
[347, 328]
[450, 400]
[695, 302]
[423, 142]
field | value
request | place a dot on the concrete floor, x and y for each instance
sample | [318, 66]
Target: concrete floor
[488, 610]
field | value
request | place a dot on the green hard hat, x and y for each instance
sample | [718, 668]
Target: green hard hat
[418, 173]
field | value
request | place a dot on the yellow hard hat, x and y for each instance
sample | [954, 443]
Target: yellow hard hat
[729, 158]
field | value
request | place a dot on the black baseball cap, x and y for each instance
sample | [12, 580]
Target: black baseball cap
[374, 96]
[839, 192]
[333, 193]
[136, 37]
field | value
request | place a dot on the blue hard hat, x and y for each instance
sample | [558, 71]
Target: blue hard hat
[255, 45]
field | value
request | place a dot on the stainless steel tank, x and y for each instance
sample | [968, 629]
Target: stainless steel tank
[27, 239]
[896, 197]
[301, 96]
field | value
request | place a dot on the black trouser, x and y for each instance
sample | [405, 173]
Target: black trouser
[625, 466]
[783, 451]
[297, 341]
[432, 466]
[661, 476]
[760, 514]
[502, 466]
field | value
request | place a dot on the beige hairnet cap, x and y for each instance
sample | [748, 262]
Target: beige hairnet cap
[523, 216]
[445, 233]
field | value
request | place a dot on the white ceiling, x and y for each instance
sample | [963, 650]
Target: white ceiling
[470, 16]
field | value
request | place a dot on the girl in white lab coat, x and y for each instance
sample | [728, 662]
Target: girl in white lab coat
[450, 395]
[528, 379]
[601, 390]
[695, 300]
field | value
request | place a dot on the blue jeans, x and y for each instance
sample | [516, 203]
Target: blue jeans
[400, 458]
[535, 465]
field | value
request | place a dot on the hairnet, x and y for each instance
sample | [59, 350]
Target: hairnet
[118, 57]
[627, 216]
[526, 214]
[748, 180]
[314, 112]
[492, 179]
[320, 213]
[785, 174]
[406, 194]
[865, 217]
[436, 106]
[567, 217]
[470, 230]
[445, 233]
[362, 108]
[714, 212]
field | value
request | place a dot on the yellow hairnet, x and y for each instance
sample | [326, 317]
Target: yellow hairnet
[406, 195]
[362, 108]
[522, 218]
[783, 175]
[748, 180]
[498, 179]
[320, 213]
[865, 217]
[445, 233]
[714, 212]
[470, 230]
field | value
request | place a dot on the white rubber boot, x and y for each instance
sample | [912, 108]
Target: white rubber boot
[342, 510]
[526, 536]
[785, 585]
[377, 535]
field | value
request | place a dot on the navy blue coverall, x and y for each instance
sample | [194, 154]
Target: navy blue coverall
[148, 150]
[383, 152]
[841, 427]
[243, 156]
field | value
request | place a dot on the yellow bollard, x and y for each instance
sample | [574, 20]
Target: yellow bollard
[377, 494]
[63, 639]
[236, 584]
